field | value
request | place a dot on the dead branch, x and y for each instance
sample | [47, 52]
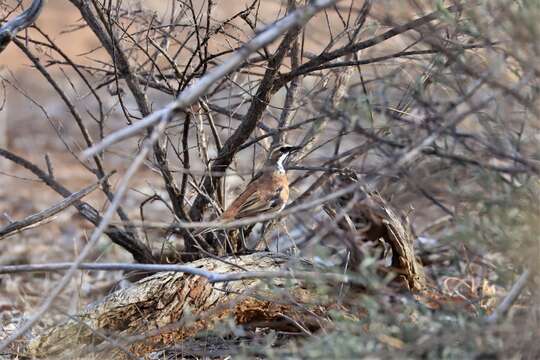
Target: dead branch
[212, 277]
[509, 299]
[42, 216]
[192, 93]
[100, 169]
[169, 307]
[137, 249]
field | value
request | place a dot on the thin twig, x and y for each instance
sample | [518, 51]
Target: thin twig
[505, 305]
[98, 231]
[213, 277]
[199, 88]
[37, 218]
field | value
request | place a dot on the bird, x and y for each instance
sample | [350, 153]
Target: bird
[266, 193]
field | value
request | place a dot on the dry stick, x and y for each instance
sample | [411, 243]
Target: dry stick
[137, 249]
[117, 53]
[100, 168]
[186, 160]
[111, 43]
[354, 47]
[213, 277]
[282, 130]
[79, 71]
[16, 269]
[379, 59]
[317, 129]
[287, 113]
[37, 218]
[98, 231]
[220, 189]
[509, 300]
[192, 93]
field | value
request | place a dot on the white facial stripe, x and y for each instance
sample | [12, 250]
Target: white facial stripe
[279, 162]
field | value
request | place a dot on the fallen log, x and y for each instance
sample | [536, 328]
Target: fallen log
[166, 308]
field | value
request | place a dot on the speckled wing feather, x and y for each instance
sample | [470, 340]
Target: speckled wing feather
[260, 203]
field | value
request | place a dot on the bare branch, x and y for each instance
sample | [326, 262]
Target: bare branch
[38, 218]
[137, 249]
[509, 299]
[213, 277]
[199, 88]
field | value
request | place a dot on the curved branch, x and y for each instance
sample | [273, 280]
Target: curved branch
[140, 252]
[10, 29]
[199, 88]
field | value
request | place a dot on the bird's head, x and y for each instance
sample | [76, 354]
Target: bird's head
[279, 154]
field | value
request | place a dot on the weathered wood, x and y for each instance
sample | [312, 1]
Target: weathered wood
[169, 307]
[370, 218]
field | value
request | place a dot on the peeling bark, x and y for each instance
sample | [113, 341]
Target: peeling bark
[370, 218]
[167, 308]
[170, 307]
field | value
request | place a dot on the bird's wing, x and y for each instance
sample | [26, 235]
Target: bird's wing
[258, 203]
[251, 205]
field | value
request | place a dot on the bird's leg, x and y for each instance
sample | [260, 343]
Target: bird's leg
[221, 242]
[262, 244]
[243, 244]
